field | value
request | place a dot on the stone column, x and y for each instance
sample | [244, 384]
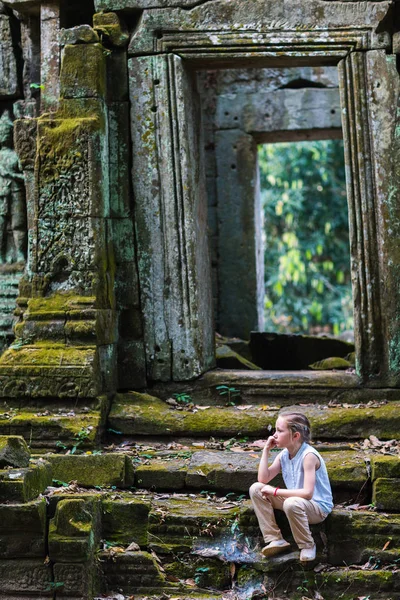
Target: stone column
[50, 55]
[67, 334]
[9, 87]
[171, 219]
[241, 259]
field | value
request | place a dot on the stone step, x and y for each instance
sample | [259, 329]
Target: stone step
[133, 413]
[64, 428]
[356, 476]
[275, 388]
[186, 543]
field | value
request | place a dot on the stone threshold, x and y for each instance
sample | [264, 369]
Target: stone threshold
[281, 387]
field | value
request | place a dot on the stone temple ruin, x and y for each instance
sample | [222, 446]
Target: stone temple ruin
[130, 233]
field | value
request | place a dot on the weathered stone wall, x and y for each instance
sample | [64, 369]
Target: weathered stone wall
[164, 307]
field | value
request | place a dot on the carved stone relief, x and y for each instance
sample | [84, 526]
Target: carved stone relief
[9, 87]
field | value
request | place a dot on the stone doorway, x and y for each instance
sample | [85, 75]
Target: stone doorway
[169, 183]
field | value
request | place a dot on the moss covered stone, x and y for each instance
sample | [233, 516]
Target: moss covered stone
[350, 533]
[385, 466]
[81, 34]
[25, 484]
[229, 359]
[386, 494]
[45, 430]
[14, 451]
[93, 470]
[133, 570]
[125, 520]
[135, 413]
[178, 523]
[355, 423]
[23, 529]
[355, 583]
[110, 28]
[50, 355]
[74, 532]
[159, 475]
[83, 73]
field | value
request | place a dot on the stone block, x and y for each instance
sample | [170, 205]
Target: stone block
[386, 494]
[14, 451]
[239, 242]
[9, 87]
[160, 475]
[110, 26]
[74, 532]
[25, 578]
[108, 367]
[131, 364]
[221, 471]
[385, 466]
[119, 155]
[75, 581]
[100, 330]
[280, 111]
[25, 484]
[127, 285]
[352, 535]
[132, 570]
[93, 470]
[123, 240]
[117, 77]
[130, 324]
[229, 359]
[81, 34]
[23, 530]
[45, 430]
[125, 520]
[83, 72]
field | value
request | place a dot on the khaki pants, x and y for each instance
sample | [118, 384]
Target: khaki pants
[299, 511]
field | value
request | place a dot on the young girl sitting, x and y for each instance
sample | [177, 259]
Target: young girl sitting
[308, 497]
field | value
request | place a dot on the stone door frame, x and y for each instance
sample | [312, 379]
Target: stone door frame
[360, 56]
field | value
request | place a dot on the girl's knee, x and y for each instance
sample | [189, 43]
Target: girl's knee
[255, 488]
[293, 504]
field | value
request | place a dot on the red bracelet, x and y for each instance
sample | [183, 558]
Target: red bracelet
[276, 489]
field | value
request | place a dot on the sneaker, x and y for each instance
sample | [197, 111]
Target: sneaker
[308, 554]
[275, 547]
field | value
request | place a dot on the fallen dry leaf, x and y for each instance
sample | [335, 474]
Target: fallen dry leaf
[386, 545]
[258, 444]
[133, 547]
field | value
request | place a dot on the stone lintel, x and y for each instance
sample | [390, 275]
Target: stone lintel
[337, 24]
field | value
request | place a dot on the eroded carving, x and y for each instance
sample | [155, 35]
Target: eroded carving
[12, 197]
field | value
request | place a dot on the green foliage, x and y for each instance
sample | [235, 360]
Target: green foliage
[182, 398]
[307, 257]
[81, 436]
[231, 392]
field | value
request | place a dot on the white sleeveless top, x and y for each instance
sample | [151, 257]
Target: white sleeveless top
[293, 476]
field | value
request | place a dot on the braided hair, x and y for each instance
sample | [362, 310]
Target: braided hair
[297, 422]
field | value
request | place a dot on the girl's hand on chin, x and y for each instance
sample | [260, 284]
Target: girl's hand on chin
[268, 490]
[271, 442]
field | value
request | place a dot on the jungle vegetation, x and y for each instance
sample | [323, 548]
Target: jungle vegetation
[306, 237]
